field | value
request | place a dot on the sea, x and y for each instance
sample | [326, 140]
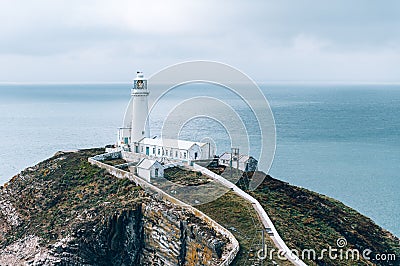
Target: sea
[340, 140]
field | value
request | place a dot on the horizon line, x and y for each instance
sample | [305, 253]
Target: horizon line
[344, 82]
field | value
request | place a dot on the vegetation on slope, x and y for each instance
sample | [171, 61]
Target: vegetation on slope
[238, 216]
[53, 196]
[308, 220]
[60, 190]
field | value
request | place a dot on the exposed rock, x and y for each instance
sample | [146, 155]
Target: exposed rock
[65, 211]
[9, 213]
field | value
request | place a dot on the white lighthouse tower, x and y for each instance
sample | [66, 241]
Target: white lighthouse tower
[134, 136]
[139, 127]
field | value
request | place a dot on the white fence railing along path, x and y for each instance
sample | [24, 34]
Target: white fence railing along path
[267, 223]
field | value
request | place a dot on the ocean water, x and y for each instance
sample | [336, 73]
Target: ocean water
[339, 140]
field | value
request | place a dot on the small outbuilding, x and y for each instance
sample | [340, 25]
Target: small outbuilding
[246, 163]
[149, 169]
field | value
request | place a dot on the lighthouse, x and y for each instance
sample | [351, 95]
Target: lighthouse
[139, 127]
[134, 137]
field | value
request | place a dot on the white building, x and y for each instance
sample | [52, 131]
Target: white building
[134, 135]
[149, 169]
[243, 162]
[175, 149]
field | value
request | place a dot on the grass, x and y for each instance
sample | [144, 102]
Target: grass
[185, 177]
[239, 217]
[51, 198]
[308, 220]
[114, 162]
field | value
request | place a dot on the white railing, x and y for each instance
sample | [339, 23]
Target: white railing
[119, 173]
[267, 223]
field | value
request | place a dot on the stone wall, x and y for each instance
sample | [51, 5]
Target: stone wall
[164, 239]
[108, 156]
[132, 157]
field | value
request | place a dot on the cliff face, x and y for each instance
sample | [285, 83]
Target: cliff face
[181, 241]
[64, 211]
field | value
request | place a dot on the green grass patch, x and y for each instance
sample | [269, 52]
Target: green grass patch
[185, 177]
[239, 217]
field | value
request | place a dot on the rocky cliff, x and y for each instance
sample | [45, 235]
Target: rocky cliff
[63, 211]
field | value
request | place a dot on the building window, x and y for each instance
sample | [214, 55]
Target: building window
[176, 154]
[159, 151]
[154, 150]
[141, 149]
[184, 155]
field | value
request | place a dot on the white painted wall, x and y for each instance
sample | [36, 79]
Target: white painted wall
[139, 116]
[144, 173]
[148, 174]
[192, 152]
[160, 171]
[159, 152]
[124, 133]
[207, 151]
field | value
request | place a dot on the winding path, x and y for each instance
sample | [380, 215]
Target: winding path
[264, 218]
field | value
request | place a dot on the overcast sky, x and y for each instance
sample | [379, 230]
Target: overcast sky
[281, 40]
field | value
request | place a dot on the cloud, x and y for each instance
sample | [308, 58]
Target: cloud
[48, 40]
[308, 44]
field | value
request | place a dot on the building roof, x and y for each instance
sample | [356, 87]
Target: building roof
[147, 163]
[171, 143]
[225, 156]
[242, 157]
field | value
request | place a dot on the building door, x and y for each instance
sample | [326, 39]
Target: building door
[147, 151]
[156, 172]
[195, 155]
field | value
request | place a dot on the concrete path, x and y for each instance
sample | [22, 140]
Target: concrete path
[264, 218]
